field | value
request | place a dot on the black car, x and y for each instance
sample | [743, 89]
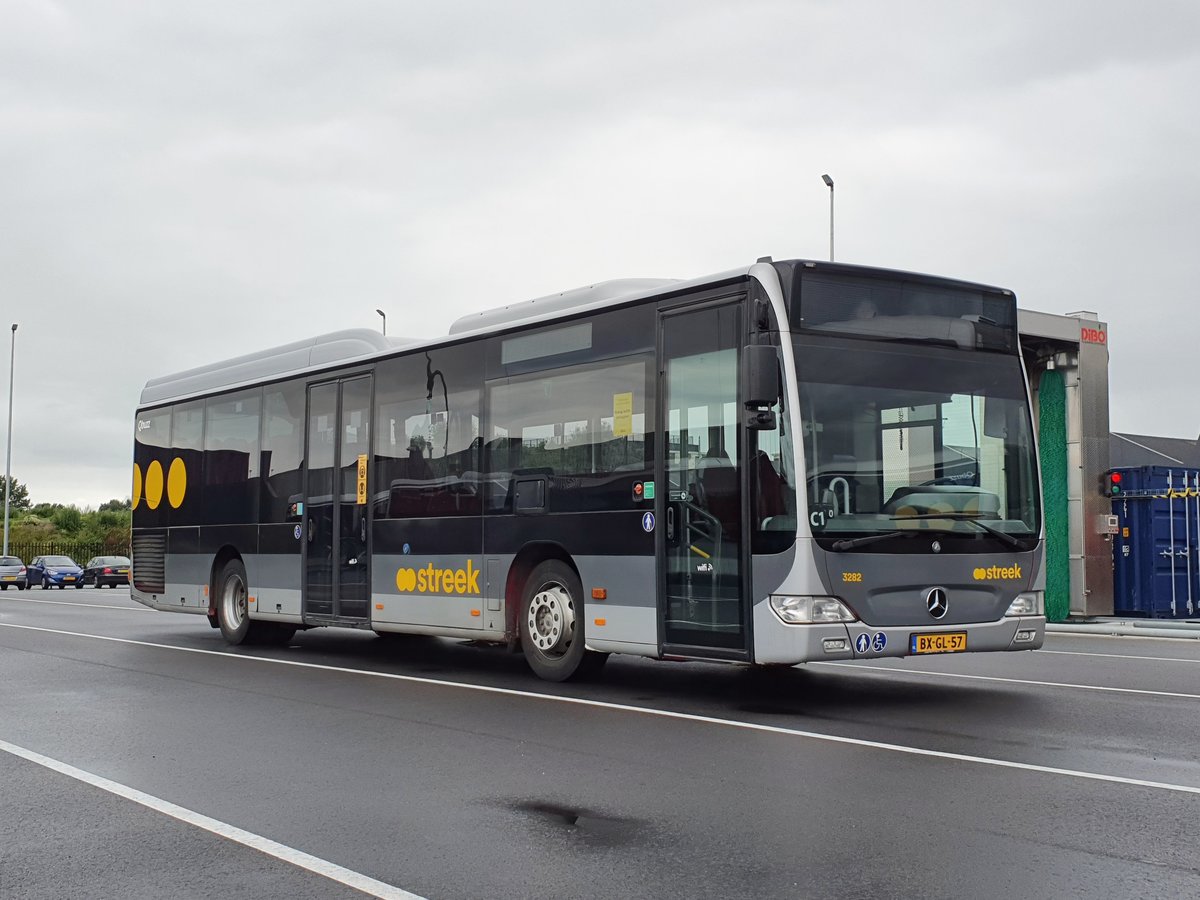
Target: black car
[110, 570]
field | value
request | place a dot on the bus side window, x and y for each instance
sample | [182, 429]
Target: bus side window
[427, 435]
[282, 444]
[583, 426]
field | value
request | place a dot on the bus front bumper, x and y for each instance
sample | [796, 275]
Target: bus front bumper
[778, 643]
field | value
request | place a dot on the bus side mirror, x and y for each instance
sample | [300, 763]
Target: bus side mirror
[760, 384]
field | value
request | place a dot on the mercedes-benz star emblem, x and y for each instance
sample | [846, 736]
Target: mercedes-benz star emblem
[937, 603]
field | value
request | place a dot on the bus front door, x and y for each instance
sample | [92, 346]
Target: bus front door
[337, 571]
[700, 466]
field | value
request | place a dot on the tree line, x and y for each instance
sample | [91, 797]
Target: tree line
[41, 528]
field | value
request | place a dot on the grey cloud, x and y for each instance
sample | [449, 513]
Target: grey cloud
[204, 181]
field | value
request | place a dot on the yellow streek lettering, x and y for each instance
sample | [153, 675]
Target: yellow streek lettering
[429, 580]
[997, 573]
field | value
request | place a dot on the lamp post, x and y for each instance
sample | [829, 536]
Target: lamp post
[12, 358]
[829, 183]
[383, 316]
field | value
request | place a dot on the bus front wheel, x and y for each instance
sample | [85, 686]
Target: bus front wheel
[552, 624]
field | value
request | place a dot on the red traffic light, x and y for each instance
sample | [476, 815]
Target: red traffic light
[1110, 484]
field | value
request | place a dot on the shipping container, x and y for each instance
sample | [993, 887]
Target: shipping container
[1156, 551]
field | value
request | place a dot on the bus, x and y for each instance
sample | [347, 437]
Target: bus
[789, 462]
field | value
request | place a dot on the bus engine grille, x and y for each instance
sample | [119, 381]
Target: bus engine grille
[149, 562]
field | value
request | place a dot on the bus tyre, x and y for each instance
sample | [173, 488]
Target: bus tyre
[233, 608]
[552, 621]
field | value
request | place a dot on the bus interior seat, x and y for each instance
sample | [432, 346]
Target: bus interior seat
[720, 494]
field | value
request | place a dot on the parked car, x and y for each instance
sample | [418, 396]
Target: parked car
[12, 571]
[54, 571]
[110, 570]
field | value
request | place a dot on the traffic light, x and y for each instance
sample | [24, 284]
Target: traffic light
[1110, 484]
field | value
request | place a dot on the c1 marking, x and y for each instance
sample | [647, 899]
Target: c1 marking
[648, 522]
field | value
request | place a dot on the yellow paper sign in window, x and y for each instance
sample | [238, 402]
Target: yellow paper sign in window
[362, 480]
[623, 414]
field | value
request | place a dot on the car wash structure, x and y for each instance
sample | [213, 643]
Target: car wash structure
[1066, 359]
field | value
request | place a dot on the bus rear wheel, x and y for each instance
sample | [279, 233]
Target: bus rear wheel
[233, 605]
[233, 611]
[552, 626]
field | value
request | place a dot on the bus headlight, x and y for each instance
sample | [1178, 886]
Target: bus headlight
[810, 610]
[1031, 603]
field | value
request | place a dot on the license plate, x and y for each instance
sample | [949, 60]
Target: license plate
[122, 571]
[10, 577]
[943, 642]
[69, 578]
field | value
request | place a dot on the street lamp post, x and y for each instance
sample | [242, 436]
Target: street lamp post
[12, 358]
[829, 182]
[383, 316]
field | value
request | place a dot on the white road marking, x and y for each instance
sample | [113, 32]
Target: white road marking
[893, 670]
[1106, 636]
[659, 713]
[1173, 659]
[299, 858]
[85, 605]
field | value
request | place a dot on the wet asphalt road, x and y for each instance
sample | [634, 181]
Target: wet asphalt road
[447, 770]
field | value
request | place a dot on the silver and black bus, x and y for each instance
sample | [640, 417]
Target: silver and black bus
[787, 462]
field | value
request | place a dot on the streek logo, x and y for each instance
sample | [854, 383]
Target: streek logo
[429, 580]
[998, 573]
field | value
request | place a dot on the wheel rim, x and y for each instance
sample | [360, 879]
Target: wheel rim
[551, 620]
[233, 602]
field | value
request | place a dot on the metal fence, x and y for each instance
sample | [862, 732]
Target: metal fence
[80, 551]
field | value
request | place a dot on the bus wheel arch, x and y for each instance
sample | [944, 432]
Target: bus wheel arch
[229, 605]
[548, 606]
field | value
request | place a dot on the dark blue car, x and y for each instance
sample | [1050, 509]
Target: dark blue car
[54, 571]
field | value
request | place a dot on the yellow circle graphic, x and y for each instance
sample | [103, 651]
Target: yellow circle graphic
[154, 484]
[176, 482]
[137, 486]
[406, 580]
[980, 574]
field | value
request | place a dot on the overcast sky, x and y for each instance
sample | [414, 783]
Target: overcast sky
[181, 183]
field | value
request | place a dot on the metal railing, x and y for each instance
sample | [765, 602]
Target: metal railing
[80, 551]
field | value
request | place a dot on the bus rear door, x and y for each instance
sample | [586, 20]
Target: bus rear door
[337, 570]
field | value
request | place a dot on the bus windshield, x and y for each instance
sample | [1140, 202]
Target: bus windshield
[900, 438]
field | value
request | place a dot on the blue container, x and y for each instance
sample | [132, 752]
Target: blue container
[1156, 552]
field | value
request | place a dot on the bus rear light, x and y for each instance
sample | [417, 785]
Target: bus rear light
[809, 610]
[1031, 603]
[1024, 637]
[834, 645]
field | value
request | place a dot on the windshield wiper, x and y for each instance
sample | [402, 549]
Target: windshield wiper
[974, 520]
[844, 545]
